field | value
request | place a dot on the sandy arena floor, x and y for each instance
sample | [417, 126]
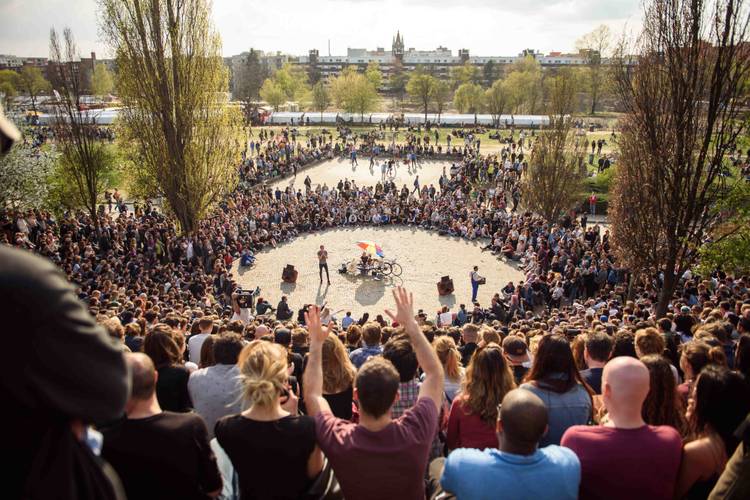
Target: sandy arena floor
[331, 171]
[424, 255]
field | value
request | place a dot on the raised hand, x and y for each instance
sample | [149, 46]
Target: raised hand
[404, 307]
[318, 332]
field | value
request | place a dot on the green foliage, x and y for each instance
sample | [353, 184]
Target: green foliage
[320, 97]
[524, 84]
[469, 98]
[441, 95]
[9, 82]
[102, 82]
[32, 82]
[421, 88]
[498, 98]
[293, 81]
[374, 75]
[729, 245]
[465, 74]
[272, 93]
[354, 92]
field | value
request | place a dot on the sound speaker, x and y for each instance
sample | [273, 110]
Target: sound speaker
[289, 274]
[445, 286]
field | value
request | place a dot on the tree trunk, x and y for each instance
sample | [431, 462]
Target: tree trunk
[667, 289]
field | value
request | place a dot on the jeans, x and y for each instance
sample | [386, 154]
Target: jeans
[322, 266]
[474, 290]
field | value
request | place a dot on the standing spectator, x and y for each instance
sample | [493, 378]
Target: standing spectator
[272, 449]
[555, 379]
[216, 391]
[695, 356]
[162, 347]
[371, 334]
[719, 403]
[473, 414]
[159, 454]
[626, 458]
[519, 469]
[323, 264]
[598, 347]
[65, 375]
[380, 457]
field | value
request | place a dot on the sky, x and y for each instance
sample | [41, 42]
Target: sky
[485, 27]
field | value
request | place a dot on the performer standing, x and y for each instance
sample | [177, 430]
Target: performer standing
[323, 263]
[476, 280]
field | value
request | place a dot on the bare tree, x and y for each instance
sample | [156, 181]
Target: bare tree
[594, 45]
[84, 160]
[683, 103]
[552, 183]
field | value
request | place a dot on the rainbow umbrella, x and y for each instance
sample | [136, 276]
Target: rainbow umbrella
[371, 248]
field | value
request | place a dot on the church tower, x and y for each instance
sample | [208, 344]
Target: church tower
[398, 47]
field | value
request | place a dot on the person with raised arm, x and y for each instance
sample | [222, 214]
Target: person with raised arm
[380, 457]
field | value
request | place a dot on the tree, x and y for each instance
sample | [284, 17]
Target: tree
[469, 98]
[374, 75]
[320, 98]
[498, 99]
[466, 73]
[397, 85]
[292, 80]
[488, 72]
[173, 84]
[84, 161]
[553, 181]
[273, 94]
[362, 97]
[33, 83]
[23, 177]
[421, 87]
[441, 95]
[353, 92]
[594, 45]
[683, 114]
[525, 80]
[247, 83]
[9, 82]
[101, 81]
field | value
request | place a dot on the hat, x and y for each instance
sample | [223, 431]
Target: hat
[685, 310]
[516, 349]
[603, 318]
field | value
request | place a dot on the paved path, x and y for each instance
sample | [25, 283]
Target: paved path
[424, 255]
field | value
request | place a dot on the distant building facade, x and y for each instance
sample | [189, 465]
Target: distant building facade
[437, 62]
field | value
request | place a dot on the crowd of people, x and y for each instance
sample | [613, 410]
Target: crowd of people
[566, 385]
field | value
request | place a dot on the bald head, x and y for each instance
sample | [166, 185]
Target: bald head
[142, 375]
[260, 331]
[524, 418]
[625, 384]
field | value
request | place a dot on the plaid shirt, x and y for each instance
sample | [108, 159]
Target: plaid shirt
[408, 392]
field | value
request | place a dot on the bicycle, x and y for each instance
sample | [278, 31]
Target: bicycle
[390, 266]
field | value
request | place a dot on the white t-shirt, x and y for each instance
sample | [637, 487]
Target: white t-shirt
[243, 316]
[194, 346]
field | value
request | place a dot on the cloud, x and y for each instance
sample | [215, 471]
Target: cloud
[485, 27]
